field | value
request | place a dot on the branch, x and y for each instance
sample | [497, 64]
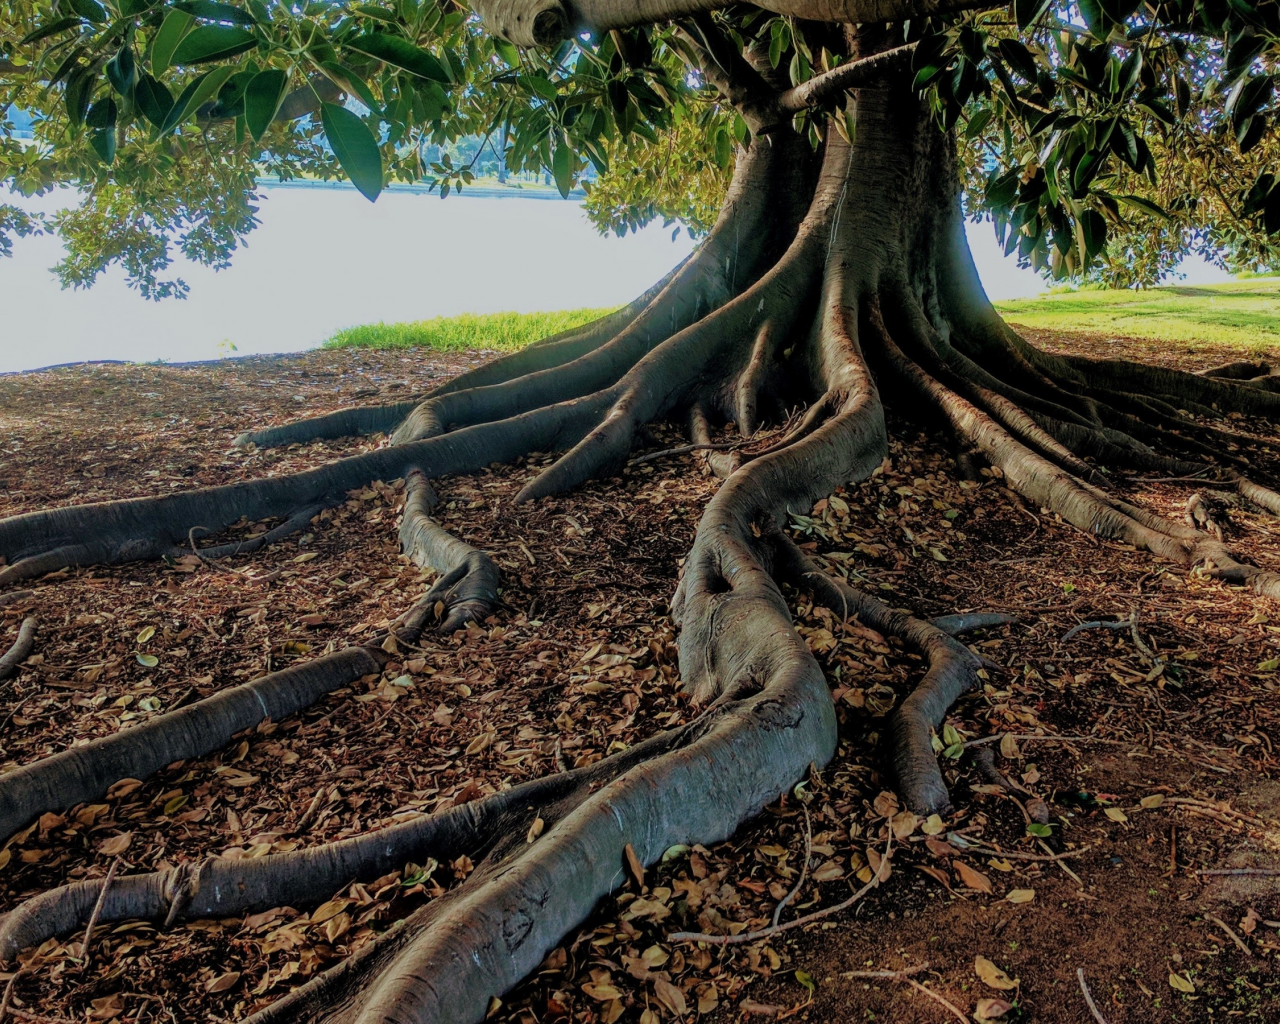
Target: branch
[546, 22]
[847, 76]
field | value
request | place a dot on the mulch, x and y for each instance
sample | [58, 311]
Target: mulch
[1175, 775]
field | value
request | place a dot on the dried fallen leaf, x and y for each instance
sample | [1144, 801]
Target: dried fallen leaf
[933, 825]
[670, 996]
[601, 991]
[1020, 895]
[535, 830]
[146, 634]
[1180, 983]
[116, 845]
[1115, 814]
[991, 1009]
[972, 878]
[329, 910]
[222, 982]
[991, 975]
[1150, 803]
[903, 824]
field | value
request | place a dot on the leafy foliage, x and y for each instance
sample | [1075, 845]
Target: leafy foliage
[1106, 138]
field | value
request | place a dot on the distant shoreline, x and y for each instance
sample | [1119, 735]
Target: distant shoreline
[541, 192]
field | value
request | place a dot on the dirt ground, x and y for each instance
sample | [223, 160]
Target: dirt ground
[1171, 773]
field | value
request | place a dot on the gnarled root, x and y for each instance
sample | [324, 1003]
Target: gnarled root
[21, 648]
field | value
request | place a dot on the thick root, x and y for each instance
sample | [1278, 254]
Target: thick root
[86, 772]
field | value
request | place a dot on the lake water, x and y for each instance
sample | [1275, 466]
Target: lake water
[325, 258]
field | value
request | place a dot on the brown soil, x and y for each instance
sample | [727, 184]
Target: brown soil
[583, 652]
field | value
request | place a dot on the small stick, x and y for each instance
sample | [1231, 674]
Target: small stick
[1019, 736]
[764, 933]
[938, 999]
[1230, 934]
[97, 909]
[894, 975]
[1122, 624]
[804, 868]
[8, 994]
[982, 851]
[685, 449]
[1088, 997]
[1238, 871]
[14, 597]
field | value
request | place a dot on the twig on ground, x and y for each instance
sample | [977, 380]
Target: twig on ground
[1240, 943]
[817, 915]
[1088, 997]
[1021, 736]
[804, 868]
[97, 909]
[1122, 624]
[685, 449]
[1238, 871]
[905, 975]
[937, 998]
[15, 597]
[8, 994]
[982, 851]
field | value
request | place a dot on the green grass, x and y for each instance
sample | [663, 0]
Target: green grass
[502, 331]
[1244, 313]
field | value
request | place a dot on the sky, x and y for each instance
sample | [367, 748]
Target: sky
[326, 258]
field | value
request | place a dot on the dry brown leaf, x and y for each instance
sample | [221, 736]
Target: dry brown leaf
[991, 975]
[329, 910]
[992, 1009]
[116, 845]
[222, 982]
[971, 877]
[1180, 983]
[535, 830]
[670, 996]
[1020, 895]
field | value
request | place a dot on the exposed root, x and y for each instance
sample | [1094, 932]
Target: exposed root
[86, 772]
[21, 648]
[468, 585]
[952, 671]
[295, 523]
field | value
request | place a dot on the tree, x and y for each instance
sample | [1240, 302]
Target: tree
[836, 271]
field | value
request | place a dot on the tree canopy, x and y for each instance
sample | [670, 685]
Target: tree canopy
[1105, 138]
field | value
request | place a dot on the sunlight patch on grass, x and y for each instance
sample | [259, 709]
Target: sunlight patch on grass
[502, 331]
[1243, 313]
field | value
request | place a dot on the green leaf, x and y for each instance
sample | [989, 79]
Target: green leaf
[122, 71]
[507, 52]
[355, 147]
[542, 86]
[348, 80]
[1036, 829]
[1026, 11]
[562, 168]
[1018, 57]
[976, 123]
[1094, 18]
[194, 95]
[1145, 205]
[153, 98]
[210, 10]
[262, 99]
[213, 42]
[90, 10]
[51, 29]
[176, 25]
[148, 660]
[401, 53]
[806, 979]
[79, 91]
[1094, 228]
[102, 114]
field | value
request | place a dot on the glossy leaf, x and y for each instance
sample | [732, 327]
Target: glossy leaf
[153, 98]
[176, 25]
[400, 53]
[197, 93]
[213, 42]
[262, 98]
[211, 10]
[53, 28]
[355, 148]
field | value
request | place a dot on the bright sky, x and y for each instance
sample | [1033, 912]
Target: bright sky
[324, 259]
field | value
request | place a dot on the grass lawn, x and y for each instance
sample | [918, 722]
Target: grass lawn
[1244, 314]
[501, 331]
